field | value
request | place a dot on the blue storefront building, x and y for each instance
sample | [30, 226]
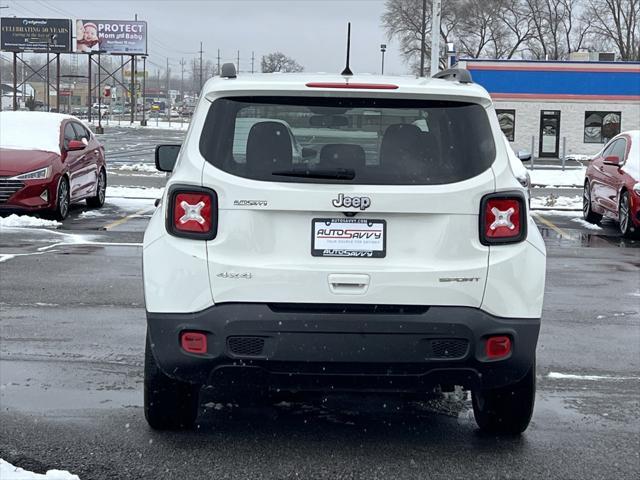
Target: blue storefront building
[562, 107]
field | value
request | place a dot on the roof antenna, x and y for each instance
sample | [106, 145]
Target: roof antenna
[347, 70]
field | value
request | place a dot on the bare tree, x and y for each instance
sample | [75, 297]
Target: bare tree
[409, 21]
[516, 19]
[617, 22]
[279, 62]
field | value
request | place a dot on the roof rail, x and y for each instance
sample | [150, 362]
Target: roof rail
[228, 70]
[455, 74]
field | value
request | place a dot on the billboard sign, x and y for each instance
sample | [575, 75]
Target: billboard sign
[37, 35]
[124, 37]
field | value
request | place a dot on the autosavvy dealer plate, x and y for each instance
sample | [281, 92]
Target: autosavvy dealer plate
[348, 237]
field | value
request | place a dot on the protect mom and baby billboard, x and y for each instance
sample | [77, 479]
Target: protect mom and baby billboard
[124, 37]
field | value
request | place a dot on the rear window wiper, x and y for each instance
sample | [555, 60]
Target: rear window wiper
[338, 173]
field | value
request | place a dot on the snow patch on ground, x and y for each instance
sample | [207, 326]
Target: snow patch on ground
[586, 224]
[20, 221]
[556, 201]
[135, 192]
[9, 472]
[91, 214]
[561, 213]
[136, 167]
[573, 177]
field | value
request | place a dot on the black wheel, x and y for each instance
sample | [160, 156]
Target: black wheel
[506, 410]
[168, 404]
[588, 214]
[624, 216]
[63, 199]
[101, 190]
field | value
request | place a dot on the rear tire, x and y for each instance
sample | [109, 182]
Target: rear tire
[63, 200]
[168, 404]
[506, 410]
[101, 190]
[624, 217]
[588, 214]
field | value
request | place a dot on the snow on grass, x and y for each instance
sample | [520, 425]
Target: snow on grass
[20, 221]
[571, 177]
[135, 192]
[9, 472]
[586, 224]
[557, 202]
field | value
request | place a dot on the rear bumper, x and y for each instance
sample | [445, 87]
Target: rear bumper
[342, 347]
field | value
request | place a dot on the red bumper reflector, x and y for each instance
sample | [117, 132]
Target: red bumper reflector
[193, 342]
[498, 347]
[363, 86]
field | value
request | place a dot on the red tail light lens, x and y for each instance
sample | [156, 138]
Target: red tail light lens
[498, 347]
[192, 213]
[193, 342]
[503, 218]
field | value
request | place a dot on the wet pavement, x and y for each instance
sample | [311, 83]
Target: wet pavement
[72, 328]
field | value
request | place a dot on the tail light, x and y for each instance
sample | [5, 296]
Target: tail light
[192, 212]
[193, 342]
[503, 218]
[498, 347]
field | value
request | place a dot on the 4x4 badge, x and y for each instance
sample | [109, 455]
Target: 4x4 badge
[351, 202]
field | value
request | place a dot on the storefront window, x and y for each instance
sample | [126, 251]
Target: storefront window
[507, 120]
[600, 127]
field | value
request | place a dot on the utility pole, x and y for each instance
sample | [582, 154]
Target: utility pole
[435, 37]
[423, 34]
[238, 69]
[167, 88]
[182, 64]
[200, 66]
[218, 72]
[253, 59]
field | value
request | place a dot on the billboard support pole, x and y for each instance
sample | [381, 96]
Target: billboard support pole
[48, 80]
[15, 82]
[58, 82]
[90, 89]
[134, 103]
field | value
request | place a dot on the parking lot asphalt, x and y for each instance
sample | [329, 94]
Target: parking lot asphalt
[72, 326]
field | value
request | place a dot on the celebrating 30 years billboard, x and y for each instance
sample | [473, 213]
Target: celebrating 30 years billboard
[35, 35]
[111, 36]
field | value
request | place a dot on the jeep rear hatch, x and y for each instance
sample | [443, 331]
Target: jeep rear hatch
[347, 199]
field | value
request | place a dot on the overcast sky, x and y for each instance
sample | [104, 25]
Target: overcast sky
[311, 31]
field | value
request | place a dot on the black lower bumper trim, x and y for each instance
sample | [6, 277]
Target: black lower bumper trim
[411, 349]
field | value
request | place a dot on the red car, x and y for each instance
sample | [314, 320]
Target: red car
[47, 162]
[612, 184]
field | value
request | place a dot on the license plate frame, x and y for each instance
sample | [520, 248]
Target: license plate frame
[339, 241]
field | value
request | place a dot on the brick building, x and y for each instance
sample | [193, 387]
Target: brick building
[562, 106]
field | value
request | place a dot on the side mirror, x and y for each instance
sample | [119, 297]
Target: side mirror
[74, 145]
[612, 160]
[524, 155]
[166, 156]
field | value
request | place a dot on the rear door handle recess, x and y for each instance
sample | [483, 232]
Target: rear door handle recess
[348, 283]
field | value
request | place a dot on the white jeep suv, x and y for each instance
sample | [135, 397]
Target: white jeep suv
[392, 252]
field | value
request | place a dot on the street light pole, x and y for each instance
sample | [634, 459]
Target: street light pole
[48, 81]
[383, 48]
[143, 122]
[99, 129]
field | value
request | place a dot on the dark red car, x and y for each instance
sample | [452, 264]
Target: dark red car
[47, 162]
[612, 184]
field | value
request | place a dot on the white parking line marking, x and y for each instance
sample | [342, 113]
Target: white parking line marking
[571, 376]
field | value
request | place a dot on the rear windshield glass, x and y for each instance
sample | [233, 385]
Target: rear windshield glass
[348, 140]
